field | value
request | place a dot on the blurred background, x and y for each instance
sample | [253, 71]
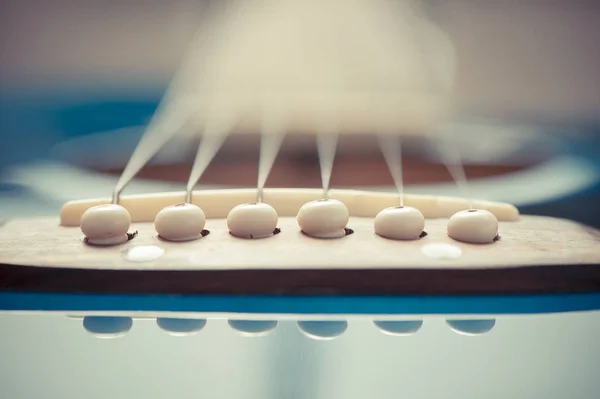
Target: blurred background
[80, 79]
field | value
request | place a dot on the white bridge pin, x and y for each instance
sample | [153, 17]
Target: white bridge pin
[326, 218]
[182, 222]
[258, 220]
[106, 225]
[400, 223]
[475, 226]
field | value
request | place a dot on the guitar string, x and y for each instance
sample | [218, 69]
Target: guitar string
[451, 158]
[392, 153]
[181, 101]
[326, 147]
[272, 135]
[216, 132]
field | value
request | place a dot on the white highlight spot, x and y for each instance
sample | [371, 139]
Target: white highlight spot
[441, 251]
[143, 253]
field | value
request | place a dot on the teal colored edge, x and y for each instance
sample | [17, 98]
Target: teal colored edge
[397, 305]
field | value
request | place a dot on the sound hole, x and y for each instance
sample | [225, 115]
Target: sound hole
[349, 171]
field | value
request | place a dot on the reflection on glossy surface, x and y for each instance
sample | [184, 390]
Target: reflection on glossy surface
[323, 330]
[143, 253]
[472, 327]
[403, 327]
[181, 327]
[550, 356]
[107, 326]
[253, 327]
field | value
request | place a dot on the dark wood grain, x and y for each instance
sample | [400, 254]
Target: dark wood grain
[527, 280]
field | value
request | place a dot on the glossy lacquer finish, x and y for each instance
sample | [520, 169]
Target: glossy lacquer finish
[527, 356]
